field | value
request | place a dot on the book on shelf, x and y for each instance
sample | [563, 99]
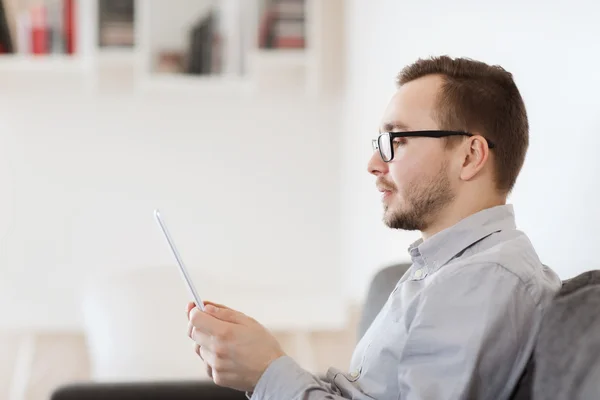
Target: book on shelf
[282, 24]
[203, 50]
[7, 26]
[116, 23]
[38, 28]
[203, 53]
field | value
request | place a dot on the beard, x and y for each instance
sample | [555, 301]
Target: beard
[423, 200]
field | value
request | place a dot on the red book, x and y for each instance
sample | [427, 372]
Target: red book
[39, 30]
[290, 43]
[69, 25]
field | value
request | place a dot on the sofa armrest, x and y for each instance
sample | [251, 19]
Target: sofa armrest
[176, 390]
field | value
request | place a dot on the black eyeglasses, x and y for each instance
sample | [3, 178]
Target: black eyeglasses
[384, 142]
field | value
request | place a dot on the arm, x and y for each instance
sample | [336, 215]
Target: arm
[468, 333]
[470, 336]
[241, 354]
[285, 379]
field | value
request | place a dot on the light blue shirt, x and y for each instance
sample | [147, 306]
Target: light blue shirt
[460, 324]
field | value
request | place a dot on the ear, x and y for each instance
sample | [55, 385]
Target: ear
[476, 156]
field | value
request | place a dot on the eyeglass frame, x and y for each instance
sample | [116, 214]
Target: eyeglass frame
[426, 133]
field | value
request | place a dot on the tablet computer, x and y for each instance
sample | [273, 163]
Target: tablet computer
[182, 268]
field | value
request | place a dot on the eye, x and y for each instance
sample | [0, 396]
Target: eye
[398, 142]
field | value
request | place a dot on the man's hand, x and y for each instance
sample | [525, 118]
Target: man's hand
[234, 347]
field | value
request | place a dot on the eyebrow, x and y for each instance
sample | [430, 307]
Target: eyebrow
[394, 126]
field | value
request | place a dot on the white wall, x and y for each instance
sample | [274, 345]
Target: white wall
[248, 186]
[551, 49]
[83, 185]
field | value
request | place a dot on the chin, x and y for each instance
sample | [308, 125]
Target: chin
[389, 216]
[392, 209]
[402, 220]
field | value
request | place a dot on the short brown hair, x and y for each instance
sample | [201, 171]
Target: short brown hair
[482, 98]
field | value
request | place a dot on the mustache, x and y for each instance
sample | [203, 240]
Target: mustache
[385, 185]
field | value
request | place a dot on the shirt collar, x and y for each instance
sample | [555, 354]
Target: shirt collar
[443, 246]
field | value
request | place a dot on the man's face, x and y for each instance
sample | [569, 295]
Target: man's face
[415, 185]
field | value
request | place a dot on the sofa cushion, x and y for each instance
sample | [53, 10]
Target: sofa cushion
[567, 353]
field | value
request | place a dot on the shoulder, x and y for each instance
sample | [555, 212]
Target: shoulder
[504, 259]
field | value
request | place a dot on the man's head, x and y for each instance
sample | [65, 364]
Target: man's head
[469, 159]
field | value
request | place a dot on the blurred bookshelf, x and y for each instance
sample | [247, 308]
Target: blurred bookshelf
[38, 37]
[177, 45]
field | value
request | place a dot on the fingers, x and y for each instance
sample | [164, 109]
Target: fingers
[198, 350]
[219, 311]
[208, 360]
[217, 364]
[213, 352]
[210, 303]
[226, 314]
[212, 330]
[201, 339]
[190, 329]
[206, 323]
[190, 307]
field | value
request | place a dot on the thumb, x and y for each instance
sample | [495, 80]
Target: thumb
[207, 302]
[225, 314]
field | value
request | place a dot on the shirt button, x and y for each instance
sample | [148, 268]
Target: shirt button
[418, 273]
[354, 375]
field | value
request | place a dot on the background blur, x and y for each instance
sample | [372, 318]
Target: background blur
[248, 123]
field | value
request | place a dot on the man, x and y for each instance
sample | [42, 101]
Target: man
[462, 321]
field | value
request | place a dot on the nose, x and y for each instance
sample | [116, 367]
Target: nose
[376, 165]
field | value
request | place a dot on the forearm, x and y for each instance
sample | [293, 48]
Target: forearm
[285, 379]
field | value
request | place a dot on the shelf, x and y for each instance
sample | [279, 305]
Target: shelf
[165, 27]
[193, 84]
[41, 63]
[116, 56]
[279, 58]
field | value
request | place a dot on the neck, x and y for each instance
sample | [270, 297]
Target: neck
[457, 211]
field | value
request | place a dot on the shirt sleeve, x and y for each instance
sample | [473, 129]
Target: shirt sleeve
[471, 331]
[285, 379]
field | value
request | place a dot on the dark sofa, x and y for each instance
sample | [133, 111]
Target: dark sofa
[147, 391]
